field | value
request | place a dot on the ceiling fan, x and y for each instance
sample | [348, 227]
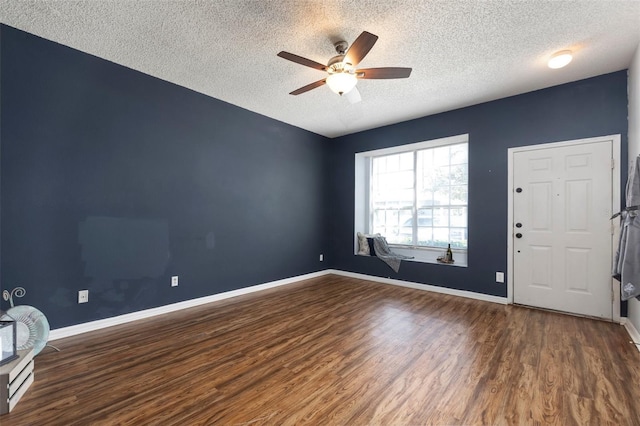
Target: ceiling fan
[343, 75]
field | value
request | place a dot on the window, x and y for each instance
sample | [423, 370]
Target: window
[415, 195]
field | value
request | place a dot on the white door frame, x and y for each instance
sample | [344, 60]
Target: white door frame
[615, 206]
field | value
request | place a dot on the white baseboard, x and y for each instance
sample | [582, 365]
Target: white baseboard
[73, 330]
[426, 287]
[86, 327]
[633, 332]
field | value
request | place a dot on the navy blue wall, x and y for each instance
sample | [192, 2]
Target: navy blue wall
[113, 181]
[587, 108]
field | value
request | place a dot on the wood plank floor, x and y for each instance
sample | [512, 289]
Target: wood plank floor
[340, 351]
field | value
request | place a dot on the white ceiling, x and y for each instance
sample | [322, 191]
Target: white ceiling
[462, 52]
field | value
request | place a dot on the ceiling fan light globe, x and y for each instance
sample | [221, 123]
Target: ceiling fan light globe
[341, 83]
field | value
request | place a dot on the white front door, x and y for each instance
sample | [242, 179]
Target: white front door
[562, 236]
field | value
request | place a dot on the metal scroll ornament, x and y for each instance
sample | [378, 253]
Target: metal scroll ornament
[18, 292]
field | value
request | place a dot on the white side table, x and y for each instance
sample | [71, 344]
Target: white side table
[15, 378]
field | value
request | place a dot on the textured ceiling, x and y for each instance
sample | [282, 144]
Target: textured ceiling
[462, 52]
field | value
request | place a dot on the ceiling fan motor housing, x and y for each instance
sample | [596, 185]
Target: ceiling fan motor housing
[341, 47]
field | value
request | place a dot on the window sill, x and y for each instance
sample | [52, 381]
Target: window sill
[430, 255]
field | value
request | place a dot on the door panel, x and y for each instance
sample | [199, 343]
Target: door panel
[562, 259]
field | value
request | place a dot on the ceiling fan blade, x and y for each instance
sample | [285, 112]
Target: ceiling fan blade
[360, 48]
[302, 61]
[389, 72]
[309, 87]
[353, 96]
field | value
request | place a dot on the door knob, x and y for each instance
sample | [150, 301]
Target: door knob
[518, 225]
[518, 190]
[518, 235]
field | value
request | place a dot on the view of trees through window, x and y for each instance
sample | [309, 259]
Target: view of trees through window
[419, 198]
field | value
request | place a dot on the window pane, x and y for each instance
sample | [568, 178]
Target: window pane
[425, 217]
[392, 196]
[458, 237]
[459, 194]
[379, 165]
[426, 174]
[425, 236]
[441, 156]
[425, 199]
[425, 159]
[393, 163]
[384, 220]
[379, 219]
[441, 237]
[399, 230]
[441, 196]
[458, 217]
[459, 154]
[405, 179]
[405, 233]
[441, 176]
[458, 175]
[406, 161]
[441, 217]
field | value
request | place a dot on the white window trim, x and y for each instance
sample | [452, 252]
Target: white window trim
[361, 199]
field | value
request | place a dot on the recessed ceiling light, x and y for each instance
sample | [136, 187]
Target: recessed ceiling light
[560, 59]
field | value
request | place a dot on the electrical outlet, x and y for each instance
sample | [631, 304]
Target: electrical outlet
[321, 257]
[174, 281]
[499, 277]
[83, 296]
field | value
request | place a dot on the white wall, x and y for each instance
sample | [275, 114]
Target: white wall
[634, 148]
